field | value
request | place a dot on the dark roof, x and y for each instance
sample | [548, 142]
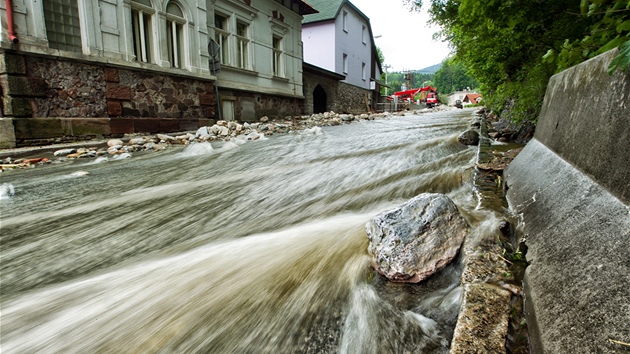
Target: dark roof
[329, 10]
[306, 8]
[321, 71]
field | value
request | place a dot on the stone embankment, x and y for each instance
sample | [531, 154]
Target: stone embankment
[490, 318]
[221, 131]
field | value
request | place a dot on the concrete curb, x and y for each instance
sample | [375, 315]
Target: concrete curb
[571, 187]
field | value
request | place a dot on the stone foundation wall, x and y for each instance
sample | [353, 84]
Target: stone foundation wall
[341, 97]
[330, 86]
[53, 100]
[352, 99]
[251, 106]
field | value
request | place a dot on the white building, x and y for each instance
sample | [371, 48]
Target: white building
[144, 65]
[339, 39]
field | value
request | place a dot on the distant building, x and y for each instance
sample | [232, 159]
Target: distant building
[467, 97]
[74, 69]
[339, 40]
[471, 98]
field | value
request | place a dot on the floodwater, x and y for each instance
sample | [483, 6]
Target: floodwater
[230, 248]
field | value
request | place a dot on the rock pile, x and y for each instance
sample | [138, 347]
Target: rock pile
[221, 131]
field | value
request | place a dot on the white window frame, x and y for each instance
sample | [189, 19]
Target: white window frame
[242, 45]
[363, 71]
[143, 32]
[344, 19]
[222, 37]
[363, 36]
[176, 37]
[277, 65]
[345, 63]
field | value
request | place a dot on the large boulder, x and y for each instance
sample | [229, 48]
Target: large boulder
[417, 239]
[469, 137]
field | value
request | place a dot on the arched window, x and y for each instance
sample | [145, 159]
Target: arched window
[175, 22]
[142, 14]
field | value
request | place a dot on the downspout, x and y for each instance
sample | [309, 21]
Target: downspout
[12, 35]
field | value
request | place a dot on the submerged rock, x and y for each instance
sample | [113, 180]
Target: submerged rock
[469, 137]
[417, 239]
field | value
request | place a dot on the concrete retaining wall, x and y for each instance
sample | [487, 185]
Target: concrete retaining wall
[571, 187]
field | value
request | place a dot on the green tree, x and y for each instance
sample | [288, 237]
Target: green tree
[453, 76]
[512, 47]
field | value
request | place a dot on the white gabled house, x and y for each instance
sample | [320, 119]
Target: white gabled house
[339, 39]
[73, 69]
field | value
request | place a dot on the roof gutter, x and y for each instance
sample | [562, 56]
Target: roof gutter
[12, 35]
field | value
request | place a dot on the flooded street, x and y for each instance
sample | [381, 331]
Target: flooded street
[228, 248]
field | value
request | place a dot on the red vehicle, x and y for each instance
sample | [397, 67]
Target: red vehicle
[428, 95]
[432, 99]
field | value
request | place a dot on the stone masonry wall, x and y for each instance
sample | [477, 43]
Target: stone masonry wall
[49, 100]
[330, 86]
[351, 99]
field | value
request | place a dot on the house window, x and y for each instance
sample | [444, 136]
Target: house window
[363, 30]
[345, 21]
[62, 25]
[363, 72]
[345, 63]
[175, 34]
[222, 36]
[277, 56]
[141, 21]
[242, 45]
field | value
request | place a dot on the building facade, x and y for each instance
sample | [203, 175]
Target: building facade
[339, 39]
[74, 69]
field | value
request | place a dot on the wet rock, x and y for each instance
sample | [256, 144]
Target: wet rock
[137, 141]
[122, 156]
[417, 239]
[165, 137]
[469, 137]
[114, 142]
[223, 131]
[64, 152]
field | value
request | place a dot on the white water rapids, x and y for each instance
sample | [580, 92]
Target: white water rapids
[231, 248]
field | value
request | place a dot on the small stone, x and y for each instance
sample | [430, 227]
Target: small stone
[64, 152]
[165, 137]
[264, 119]
[114, 142]
[137, 141]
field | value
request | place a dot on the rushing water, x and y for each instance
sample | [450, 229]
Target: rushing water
[230, 248]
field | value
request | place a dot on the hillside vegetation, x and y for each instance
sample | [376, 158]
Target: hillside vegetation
[512, 47]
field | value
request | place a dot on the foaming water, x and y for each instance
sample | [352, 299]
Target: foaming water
[6, 190]
[254, 246]
[196, 149]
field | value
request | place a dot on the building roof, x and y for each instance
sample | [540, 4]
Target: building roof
[471, 97]
[329, 10]
[306, 8]
[322, 72]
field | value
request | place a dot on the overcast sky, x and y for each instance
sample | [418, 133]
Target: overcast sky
[407, 40]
